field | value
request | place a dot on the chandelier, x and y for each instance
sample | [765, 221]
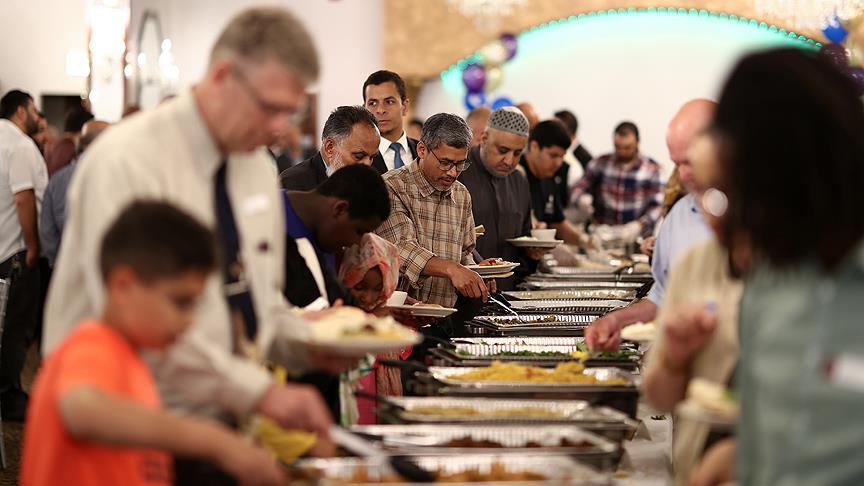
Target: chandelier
[486, 14]
[809, 14]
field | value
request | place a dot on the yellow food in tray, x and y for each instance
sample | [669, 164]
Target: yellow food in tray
[565, 373]
[473, 412]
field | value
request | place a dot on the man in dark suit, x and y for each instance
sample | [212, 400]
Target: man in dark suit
[350, 136]
[384, 94]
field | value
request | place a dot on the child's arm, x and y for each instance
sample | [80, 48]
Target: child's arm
[92, 415]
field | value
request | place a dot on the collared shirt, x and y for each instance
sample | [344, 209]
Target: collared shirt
[502, 205]
[546, 199]
[169, 154]
[623, 194]
[297, 229]
[53, 216]
[801, 414]
[22, 168]
[389, 155]
[425, 223]
[683, 228]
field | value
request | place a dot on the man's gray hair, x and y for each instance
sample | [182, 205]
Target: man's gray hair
[447, 129]
[342, 120]
[269, 33]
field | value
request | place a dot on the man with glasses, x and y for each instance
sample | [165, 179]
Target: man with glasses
[350, 136]
[430, 217]
[203, 151]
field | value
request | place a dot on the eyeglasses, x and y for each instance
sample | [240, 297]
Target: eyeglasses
[295, 115]
[446, 165]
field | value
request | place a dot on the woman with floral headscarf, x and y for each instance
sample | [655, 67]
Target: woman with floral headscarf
[370, 271]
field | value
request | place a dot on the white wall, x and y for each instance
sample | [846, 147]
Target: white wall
[347, 34]
[35, 36]
[640, 67]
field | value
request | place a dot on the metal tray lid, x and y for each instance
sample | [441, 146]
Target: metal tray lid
[557, 470]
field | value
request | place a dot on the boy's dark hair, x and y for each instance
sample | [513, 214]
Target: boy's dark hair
[76, 119]
[627, 128]
[13, 100]
[363, 188]
[384, 76]
[571, 123]
[416, 121]
[550, 133]
[158, 241]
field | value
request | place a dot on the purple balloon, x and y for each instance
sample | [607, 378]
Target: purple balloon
[474, 77]
[857, 74]
[510, 43]
[837, 54]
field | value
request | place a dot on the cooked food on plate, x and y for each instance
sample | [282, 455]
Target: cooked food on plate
[351, 322]
[571, 372]
[714, 398]
[424, 304]
[641, 331]
[493, 262]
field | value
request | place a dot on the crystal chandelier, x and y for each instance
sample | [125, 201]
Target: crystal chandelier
[809, 14]
[486, 14]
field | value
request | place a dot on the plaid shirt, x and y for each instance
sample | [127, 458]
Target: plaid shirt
[426, 223]
[622, 195]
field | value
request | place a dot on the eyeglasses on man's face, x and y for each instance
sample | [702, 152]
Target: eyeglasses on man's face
[447, 165]
[295, 116]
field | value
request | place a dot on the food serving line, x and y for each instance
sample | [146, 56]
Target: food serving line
[517, 397]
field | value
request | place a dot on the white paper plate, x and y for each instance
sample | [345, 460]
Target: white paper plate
[493, 270]
[523, 243]
[636, 334]
[425, 311]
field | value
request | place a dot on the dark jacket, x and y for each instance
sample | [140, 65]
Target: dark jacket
[378, 161]
[305, 176]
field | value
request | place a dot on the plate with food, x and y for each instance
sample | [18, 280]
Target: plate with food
[641, 332]
[348, 331]
[493, 266]
[532, 242]
[422, 309]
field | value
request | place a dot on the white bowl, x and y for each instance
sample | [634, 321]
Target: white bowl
[544, 234]
[398, 298]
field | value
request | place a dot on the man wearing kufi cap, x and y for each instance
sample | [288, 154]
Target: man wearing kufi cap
[500, 196]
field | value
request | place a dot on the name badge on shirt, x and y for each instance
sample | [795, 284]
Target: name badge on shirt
[256, 204]
[846, 370]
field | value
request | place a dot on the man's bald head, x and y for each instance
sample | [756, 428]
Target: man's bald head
[89, 132]
[693, 118]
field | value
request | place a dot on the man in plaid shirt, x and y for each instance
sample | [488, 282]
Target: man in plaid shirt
[431, 220]
[625, 185]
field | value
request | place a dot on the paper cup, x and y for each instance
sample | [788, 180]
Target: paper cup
[544, 234]
[398, 298]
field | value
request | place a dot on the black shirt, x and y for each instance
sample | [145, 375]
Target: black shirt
[503, 206]
[546, 199]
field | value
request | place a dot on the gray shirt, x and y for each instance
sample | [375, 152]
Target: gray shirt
[503, 206]
[800, 424]
[53, 215]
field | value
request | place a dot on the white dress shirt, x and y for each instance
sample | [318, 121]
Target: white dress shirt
[22, 168]
[168, 154]
[389, 154]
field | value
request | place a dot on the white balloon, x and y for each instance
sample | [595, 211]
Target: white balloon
[494, 76]
[493, 54]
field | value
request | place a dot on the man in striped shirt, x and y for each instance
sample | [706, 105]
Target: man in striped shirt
[625, 185]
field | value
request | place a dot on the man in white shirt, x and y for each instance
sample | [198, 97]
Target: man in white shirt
[23, 177]
[203, 151]
[384, 94]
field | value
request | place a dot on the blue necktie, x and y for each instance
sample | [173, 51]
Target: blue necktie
[237, 293]
[397, 160]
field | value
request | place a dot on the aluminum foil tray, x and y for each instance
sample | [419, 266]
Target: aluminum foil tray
[558, 470]
[589, 448]
[445, 375]
[560, 284]
[490, 352]
[564, 305]
[617, 294]
[537, 320]
[522, 341]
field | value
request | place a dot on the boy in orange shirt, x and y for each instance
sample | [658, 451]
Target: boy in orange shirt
[95, 416]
